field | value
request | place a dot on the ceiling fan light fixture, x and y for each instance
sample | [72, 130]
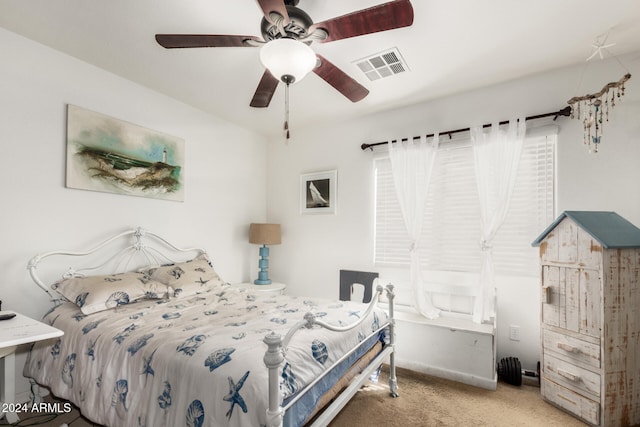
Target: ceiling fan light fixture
[287, 59]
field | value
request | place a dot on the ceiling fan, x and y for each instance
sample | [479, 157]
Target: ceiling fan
[284, 20]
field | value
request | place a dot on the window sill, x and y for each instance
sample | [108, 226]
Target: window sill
[452, 321]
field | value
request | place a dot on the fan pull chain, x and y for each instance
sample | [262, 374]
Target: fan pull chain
[286, 112]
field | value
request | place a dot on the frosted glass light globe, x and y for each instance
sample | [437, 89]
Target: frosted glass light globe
[288, 59]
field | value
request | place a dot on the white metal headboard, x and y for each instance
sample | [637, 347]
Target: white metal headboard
[144, 248]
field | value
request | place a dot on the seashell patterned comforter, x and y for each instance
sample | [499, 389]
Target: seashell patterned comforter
[192, 361]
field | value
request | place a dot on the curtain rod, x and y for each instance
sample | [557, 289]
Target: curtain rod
[566, 111]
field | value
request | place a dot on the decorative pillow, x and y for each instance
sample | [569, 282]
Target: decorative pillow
[97, 293]
[188, 278]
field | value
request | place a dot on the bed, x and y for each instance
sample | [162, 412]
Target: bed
[154, 337]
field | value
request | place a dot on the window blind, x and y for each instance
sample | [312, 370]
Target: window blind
[451, 228]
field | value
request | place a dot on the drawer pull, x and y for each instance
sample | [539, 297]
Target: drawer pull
[568, 375]
[546, 295]
[568, 348]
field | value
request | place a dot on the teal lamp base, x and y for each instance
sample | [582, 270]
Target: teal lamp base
[263, 274]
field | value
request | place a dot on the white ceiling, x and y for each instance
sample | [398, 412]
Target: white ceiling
[453, 46]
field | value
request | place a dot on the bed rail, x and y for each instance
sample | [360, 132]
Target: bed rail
[277, 347]
[147, 246]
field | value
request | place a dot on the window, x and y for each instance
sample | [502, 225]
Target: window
[451, 228]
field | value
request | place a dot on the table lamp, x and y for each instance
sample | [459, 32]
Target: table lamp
[264, 234]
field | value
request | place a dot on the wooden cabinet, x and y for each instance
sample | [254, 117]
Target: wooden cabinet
[590, 334]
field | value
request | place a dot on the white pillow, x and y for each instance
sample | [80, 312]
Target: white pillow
[188, 278]
[97, 293]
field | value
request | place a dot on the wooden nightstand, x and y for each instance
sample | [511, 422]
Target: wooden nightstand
[273, 288]
[14, 332]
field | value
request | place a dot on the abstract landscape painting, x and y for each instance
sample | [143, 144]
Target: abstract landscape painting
[111, 155]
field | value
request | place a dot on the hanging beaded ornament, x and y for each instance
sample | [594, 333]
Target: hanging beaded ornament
[593, 110]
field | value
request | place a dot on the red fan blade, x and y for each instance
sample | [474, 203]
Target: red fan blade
[340, 80]
[264, 92]
[173, 41]
[277, 6]
[387, 16]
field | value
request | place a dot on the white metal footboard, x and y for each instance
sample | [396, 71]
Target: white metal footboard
[274, 357]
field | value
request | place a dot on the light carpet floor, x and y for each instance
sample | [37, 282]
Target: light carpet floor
[424, 401]
[429, 401]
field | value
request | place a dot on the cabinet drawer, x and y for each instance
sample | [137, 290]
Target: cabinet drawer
[570, 401]
[574, 348]
[571, 376]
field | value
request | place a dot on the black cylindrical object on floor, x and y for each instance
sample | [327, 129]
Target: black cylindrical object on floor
[510, 370]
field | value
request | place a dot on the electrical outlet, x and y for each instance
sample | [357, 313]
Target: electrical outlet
[514, 332]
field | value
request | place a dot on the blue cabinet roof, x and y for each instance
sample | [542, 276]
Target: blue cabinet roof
[608, 228]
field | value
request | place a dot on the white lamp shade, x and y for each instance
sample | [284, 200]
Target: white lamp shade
[288, 57]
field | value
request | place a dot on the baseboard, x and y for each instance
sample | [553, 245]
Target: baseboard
[486, 383]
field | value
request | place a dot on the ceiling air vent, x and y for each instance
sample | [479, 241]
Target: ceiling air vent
[382, 64]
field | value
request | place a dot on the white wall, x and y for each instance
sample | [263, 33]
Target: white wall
[315, 248]
[39, 214]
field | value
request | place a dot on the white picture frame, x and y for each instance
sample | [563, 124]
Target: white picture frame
[318, 192]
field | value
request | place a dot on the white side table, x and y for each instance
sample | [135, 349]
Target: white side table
[273, 288]
[14, 332]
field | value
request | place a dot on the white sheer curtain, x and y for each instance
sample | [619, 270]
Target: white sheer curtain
[412, 164]
[496, 156]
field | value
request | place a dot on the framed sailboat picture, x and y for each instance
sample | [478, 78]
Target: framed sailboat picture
[114, 156]
[318, 192]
